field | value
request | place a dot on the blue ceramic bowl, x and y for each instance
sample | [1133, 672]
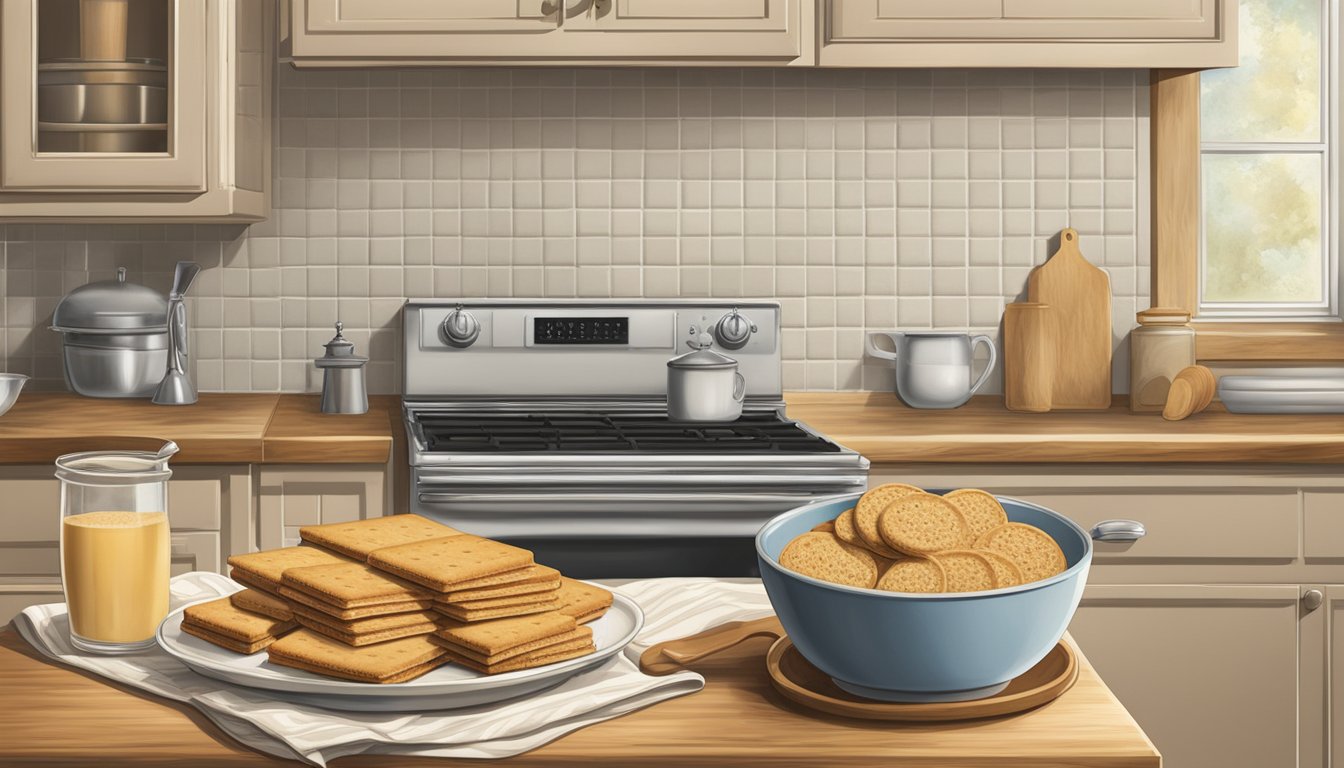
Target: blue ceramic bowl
[896, 646]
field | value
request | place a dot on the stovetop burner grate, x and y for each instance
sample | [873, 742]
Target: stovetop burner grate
[614, 433]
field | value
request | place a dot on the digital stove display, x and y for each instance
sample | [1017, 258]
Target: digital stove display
[581, 330]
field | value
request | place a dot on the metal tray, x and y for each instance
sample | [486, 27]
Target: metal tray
[1321, 392]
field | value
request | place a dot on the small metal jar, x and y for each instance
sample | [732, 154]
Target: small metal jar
[343, 389]
[704, 386]
[114, 338]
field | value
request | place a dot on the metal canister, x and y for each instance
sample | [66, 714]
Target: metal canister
[343, 389]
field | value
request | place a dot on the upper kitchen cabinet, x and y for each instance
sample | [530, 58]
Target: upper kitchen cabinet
[1185, 34]
[135, 110]
[333, 33]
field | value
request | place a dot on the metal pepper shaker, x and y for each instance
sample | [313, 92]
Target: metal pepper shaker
[343, 389]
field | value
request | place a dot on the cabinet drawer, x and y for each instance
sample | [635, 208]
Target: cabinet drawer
[16, 596]
[1024, 20]
[1240, 525]
[1323, 525]
[195, 552]
[191, 551]
[195, 502]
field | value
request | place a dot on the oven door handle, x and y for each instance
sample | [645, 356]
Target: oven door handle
[560, 481]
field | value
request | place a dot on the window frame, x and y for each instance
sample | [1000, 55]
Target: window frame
[1175, 157]
[1328, 309]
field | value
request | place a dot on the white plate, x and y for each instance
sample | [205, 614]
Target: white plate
[448, 687]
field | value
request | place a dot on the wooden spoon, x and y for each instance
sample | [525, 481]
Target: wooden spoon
[666, 658]
[1191, 392]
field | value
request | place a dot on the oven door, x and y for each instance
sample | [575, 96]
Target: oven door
[627, 525]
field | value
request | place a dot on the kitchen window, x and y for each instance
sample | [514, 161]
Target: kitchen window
[1245, 189]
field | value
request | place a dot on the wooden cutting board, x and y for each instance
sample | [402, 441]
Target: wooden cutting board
[1079, 295]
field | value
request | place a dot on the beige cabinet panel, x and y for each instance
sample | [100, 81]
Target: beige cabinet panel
[1209, 672]
[1025, 19]
[1097, 33]
[197, 551]
[15, 595]
[1323, 525]
[203, 155]
[428, 32]
[292, 497]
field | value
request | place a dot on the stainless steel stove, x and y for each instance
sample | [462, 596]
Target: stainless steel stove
[544, 423]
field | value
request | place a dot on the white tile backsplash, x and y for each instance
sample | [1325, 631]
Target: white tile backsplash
[861, 200]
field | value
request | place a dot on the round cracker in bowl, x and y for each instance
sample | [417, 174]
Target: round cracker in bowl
[920, 524]
[1034, 551]
[823, 556]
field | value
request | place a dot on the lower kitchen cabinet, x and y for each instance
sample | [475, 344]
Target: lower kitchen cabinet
[1211, 673]
[293, 496]
[1334, 634]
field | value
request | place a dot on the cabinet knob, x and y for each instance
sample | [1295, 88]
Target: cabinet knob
[1312, 599]
[1118, 530]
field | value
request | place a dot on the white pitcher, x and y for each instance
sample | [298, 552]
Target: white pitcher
[933, 368]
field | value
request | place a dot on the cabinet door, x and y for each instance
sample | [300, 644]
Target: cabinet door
[1024, 19]
[101, 100]
[420, 29]
[1334, 618]
[1209, 672]
[729, 29]
[292, 497]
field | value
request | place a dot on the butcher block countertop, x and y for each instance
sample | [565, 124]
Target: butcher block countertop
[881, 428]
[232, 428]
[55, 716]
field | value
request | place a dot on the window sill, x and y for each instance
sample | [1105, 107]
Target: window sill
[1308, 341]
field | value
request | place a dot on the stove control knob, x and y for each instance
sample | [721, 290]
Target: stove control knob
[461, 328]
[733, 331]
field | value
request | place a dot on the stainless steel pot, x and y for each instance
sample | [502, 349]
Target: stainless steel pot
[704, 386]
[115, 338]
[101, 103]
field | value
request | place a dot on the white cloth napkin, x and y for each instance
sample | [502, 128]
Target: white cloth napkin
[672, 608]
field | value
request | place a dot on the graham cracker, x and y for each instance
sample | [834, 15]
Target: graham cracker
[222, 617]
[495, 637]
[350, 614]
[526, 575]
[543, 579]
[526, 661]
[271, 564]
[227, 643]
[503, 602]
[264, 603]
[581, 634]
[252, 582]
[578, 598]
[394, 661]
[357, 640]
[366, 626]
[443, 564]
[482, 614]
[587, 617]
[360, 537]
[352, 585]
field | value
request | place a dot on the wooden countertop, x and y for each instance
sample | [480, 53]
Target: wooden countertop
[880, 427]
[56, 716]
[232, 428]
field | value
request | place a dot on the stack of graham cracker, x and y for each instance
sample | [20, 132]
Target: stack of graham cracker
[387, 599]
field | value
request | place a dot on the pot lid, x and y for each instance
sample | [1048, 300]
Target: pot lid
[702, 359]
[112, 306]
[340, 352]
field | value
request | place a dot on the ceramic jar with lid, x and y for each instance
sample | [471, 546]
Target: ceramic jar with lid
[1162, 346]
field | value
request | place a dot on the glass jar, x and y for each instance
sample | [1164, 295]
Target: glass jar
[115, 547]
[1162, 346]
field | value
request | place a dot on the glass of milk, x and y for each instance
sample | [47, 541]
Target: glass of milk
[114, 548]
